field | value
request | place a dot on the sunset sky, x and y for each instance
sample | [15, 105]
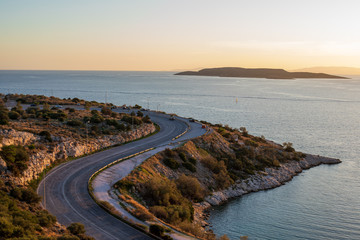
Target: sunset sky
[177, 35]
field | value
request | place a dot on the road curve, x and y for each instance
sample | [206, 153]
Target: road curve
[66, 191]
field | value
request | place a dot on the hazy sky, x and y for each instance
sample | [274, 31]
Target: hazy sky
[170, 35]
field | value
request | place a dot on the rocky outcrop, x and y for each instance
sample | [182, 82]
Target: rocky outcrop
[270, 178]
[64, 148]
[3, 166]
[13, 137]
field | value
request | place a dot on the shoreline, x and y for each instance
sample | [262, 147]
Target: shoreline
[268, 179]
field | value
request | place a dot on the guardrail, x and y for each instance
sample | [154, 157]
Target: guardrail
[116, 162]
[186, 130]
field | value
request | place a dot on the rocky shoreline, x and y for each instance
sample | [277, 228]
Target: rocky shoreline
[267, 179]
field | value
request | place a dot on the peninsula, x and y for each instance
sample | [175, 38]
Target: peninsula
[256, 73]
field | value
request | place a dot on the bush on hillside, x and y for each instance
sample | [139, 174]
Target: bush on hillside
[171, 163]
[14, 115]
[76, 228]
[189, 166]
[74, 123]
[4, 118]
[15, 158]
[46, 135]
[190, 187]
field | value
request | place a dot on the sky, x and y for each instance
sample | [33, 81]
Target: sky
[159, 35]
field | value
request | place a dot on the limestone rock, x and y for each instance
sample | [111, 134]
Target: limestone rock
[66, 147]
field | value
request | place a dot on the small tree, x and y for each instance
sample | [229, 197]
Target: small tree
[146, 119]
[139, 114]
[4, 118]
[106, 111]
[14, 115]
[244, 131]
[288, 146]
[46, 107]
[157, 230]
[76, 228]
[46, 135]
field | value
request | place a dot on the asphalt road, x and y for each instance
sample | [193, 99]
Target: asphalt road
[66, 191]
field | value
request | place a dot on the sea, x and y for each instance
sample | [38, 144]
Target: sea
[319, 116]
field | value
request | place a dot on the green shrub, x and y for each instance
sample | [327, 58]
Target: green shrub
[249, 142]
[30, 196]
[96, 119]
[190, 187]
[76, 228]
[94, 112]
[168, 152]
[121, 127]
[288, 146]
[157, 230]
[146, 119]
[15, 158]
[74, 123]
[159, 212]
[106, 111]
[75, 100]
[131, 120]
[189, 166]
[192, 160]
[139, 114]
[112, 122]
[46, 135]
[6, 228]
[182, 156]
[4, 117]
[244, 131]
[31, 146]
[16, 193]
[14, 115]
[32, 110]
[171, 163]
[46, 219]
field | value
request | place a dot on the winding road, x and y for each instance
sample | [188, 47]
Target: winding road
[66, 191]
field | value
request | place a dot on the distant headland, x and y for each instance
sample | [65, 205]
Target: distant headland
[256, 73]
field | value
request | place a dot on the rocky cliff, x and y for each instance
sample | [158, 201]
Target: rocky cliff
[62, 149]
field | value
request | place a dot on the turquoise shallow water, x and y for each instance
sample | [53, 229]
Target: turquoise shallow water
[318, 116]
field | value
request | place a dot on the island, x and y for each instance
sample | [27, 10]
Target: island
[256, 73]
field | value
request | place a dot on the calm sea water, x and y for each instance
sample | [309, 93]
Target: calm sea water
[318, 116]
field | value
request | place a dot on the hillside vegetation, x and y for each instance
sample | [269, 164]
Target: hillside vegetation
[171, 181]
[39, 125]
